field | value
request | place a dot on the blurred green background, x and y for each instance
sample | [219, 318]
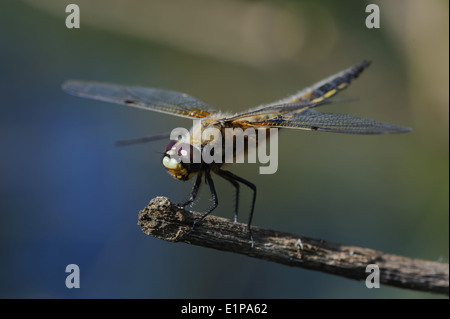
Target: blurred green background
[68, 195]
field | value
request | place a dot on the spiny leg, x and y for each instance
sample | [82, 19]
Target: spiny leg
[253, 187]
[214, 198]
[236, 186]
[194, 191]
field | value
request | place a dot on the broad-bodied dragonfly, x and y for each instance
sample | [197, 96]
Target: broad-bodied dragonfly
[297, 111]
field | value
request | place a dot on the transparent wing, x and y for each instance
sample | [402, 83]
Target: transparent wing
[159, 100]
[144, 139]
[316, 95]
[311, 119]
[297, 111]
[326, 88]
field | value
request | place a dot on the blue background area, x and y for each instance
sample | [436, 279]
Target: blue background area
[68, 195]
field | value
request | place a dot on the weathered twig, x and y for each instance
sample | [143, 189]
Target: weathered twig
[164, 220]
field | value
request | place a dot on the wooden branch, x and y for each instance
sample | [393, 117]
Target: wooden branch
[166, 221]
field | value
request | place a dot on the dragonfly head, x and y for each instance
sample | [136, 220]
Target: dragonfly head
[178, 159]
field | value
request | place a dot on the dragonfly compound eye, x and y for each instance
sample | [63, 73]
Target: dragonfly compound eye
[178, 160]
[170, 145]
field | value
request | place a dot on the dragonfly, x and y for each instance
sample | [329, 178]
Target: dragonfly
[298, 111]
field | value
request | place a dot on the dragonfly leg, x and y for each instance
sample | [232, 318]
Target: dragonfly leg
[194, 191]
[214, 198]
[236, 186]
[231, 176]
